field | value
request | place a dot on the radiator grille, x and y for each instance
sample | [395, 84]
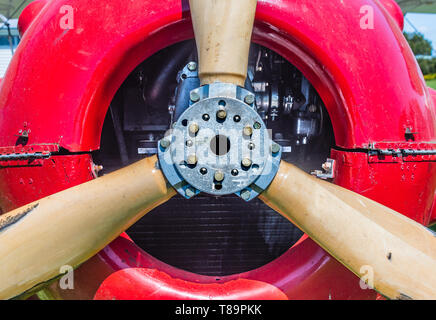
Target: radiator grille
[214, 236]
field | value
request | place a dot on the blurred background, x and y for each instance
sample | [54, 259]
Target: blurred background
[419, 29]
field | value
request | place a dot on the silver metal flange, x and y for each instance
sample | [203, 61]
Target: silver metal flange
[219, 145]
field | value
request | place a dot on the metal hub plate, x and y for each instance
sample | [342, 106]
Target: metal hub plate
[219, 145]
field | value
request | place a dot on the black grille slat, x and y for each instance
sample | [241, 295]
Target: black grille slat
[214, 236]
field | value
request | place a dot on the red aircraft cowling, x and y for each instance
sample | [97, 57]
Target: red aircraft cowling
[60, 82]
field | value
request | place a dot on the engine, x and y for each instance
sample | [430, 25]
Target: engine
[214, 235]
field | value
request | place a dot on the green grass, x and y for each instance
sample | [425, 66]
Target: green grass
[431, 83]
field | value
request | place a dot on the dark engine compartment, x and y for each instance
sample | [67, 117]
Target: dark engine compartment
[214, 235]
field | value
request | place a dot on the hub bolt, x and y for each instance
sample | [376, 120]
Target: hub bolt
[275, 148]
[249, 99]
[247, 131]
[245, 194]
[246, 162]
[193, 128]
[189, 143]
[235, 172]
[194, 96]
[221, 113]
[219, 176]
[190, 192]
[251, 145]
[257, 125]
[192, 66]
[165, 143]
[203, 171]
[206, 117]
[192, 159]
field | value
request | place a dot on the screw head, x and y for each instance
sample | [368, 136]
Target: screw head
[203, 171]
[251, 145]
[165, 143]
[192, 66]
[246, 162]
[193, 128]
[194, 96]
[219, 176]
[206, 117]
[189, 143]
[190, 192]
[192, 159]
[249, 98]
[235, 172]
[245, 194]
[275, 148]
[247, 131]
[236, 118]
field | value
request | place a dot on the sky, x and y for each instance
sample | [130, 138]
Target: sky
[425, 23]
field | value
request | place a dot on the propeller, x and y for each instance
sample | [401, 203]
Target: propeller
[69, 227]
[355, 230]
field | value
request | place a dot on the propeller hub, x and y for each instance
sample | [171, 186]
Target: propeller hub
[229, 141]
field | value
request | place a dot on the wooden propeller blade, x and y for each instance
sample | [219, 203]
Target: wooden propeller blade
[69, 227]
[223, 33]
[359, 232]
